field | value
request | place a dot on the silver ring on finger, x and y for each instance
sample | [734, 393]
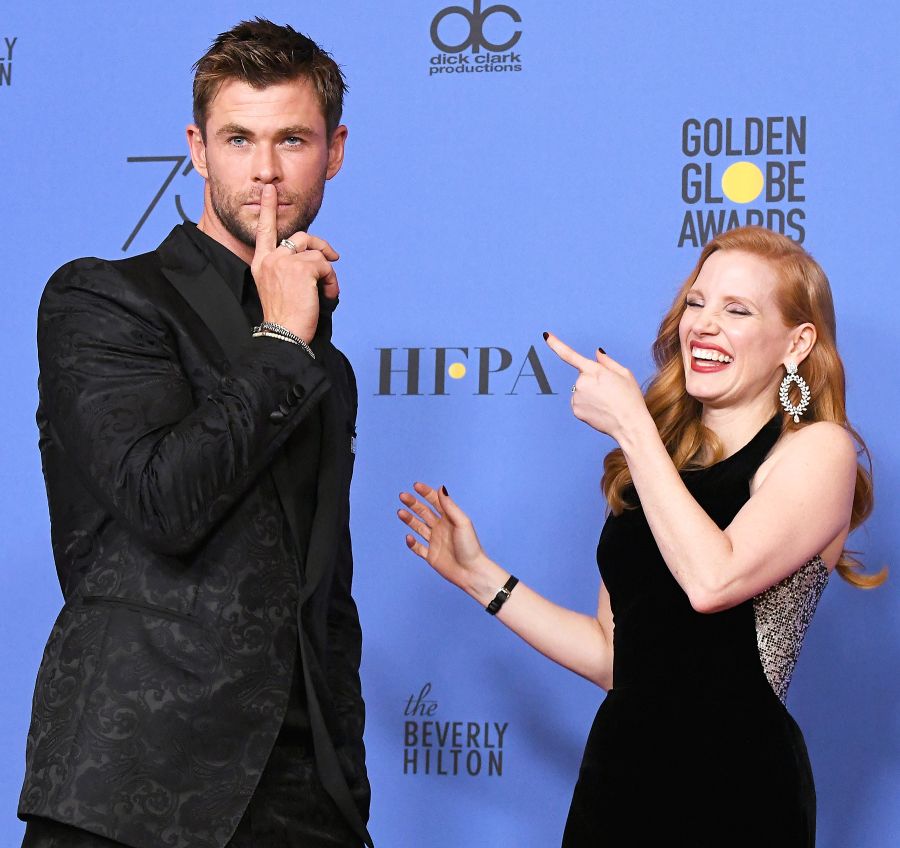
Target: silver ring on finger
[288, 244]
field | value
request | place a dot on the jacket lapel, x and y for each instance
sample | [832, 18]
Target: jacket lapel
[333, 482]
[198, 282]
[195, 279]
[208, 295]
[325, 528]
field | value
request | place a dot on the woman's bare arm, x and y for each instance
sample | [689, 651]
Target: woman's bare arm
[579, 642]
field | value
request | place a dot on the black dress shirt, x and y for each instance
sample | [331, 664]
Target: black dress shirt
[237, 274]
[232, 269]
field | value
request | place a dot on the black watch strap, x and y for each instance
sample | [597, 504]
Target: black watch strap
[502, 596]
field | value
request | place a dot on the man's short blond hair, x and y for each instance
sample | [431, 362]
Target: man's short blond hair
[261, 53]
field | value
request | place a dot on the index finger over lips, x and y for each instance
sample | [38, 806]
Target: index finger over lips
[267, 223]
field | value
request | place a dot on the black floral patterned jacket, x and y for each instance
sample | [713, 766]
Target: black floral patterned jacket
[170, 443]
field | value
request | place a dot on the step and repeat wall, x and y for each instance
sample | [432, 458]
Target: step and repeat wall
[510, 169]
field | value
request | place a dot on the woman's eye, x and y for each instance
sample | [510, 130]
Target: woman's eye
[738, 310]
[693, 303]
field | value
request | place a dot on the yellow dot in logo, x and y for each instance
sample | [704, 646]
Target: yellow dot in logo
[457, 370]
[742, 182]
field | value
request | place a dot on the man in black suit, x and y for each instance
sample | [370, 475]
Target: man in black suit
[200, 687]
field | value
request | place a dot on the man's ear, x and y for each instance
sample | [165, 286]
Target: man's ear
[336, 151]
[197, 146]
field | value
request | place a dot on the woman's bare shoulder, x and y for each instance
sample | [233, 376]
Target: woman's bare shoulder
[820, 442]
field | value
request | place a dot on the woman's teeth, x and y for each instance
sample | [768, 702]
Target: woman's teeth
[710, 355]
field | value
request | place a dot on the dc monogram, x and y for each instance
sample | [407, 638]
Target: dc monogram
[476, 18]
[464, 32]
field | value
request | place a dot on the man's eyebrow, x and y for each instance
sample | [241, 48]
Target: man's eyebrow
[233, 129]
[283, 132]
[296, 129]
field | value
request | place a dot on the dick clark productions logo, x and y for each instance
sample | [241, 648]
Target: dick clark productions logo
[460, 33]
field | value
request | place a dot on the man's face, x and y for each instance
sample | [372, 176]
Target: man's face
[256, 136]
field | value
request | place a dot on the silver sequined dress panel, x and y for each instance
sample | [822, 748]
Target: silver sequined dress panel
[783, 613]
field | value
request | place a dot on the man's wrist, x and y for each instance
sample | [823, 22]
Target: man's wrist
[303, 329]
[272, 330]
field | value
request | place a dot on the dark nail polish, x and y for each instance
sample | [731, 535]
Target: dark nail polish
[602, 350]
[444, 490]
[546, 336]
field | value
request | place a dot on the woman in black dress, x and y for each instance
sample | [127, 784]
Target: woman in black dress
[731, 495]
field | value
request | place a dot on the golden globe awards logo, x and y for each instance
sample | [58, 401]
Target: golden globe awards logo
[6, 60]
[449, 748]
[741, 172]
[460, 33]
[421, 371]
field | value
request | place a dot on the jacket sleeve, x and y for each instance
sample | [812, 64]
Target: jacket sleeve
[344, 652]
[345, 647]
[116, 398]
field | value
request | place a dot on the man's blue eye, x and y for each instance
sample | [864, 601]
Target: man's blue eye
[237, 141]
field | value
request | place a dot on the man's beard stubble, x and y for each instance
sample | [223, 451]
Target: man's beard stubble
[228, 206]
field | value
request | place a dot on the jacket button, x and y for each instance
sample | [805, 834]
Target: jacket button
[277, 416]
[298, 391]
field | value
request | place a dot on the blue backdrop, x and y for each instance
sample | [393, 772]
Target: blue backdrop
[564, 182]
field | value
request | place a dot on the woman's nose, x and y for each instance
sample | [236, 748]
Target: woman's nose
[705, 321]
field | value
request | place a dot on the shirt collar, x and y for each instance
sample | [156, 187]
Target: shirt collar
[231, 267]
[237, 276]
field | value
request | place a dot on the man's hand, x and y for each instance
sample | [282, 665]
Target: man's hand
[288, 282]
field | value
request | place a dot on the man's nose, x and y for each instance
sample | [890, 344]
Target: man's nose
[265, 165]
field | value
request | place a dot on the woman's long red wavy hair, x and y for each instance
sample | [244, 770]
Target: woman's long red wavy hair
[804, 295]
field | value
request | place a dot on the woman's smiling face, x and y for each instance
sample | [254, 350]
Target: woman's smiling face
[733, 338]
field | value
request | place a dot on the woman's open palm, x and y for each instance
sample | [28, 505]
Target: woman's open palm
[449, 543]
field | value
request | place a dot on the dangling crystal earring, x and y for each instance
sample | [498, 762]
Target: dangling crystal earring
[793, 377]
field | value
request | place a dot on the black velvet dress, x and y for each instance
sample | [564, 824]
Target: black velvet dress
[693, 745]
